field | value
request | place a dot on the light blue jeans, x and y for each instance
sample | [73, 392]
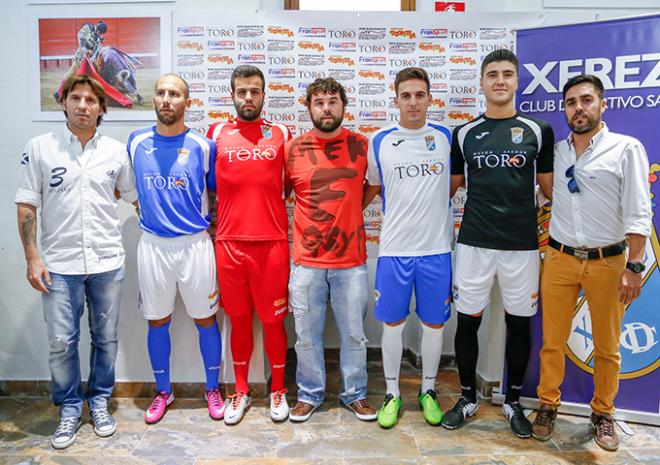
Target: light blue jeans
[348, 289]
[63, 307]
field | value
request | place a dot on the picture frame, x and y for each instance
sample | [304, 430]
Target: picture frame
[126, 52]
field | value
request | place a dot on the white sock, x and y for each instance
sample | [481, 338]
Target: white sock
[431, 353]
[392, 346]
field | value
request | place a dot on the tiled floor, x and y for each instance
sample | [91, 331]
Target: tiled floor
[187, 436]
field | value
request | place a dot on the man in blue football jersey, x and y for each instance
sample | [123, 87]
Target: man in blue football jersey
[174, 171]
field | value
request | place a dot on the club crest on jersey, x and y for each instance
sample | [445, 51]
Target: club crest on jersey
[182, 157]
[517, 135]
[267, 132]
[430, 142]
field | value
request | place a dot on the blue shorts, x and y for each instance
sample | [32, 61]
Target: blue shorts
[429, 275]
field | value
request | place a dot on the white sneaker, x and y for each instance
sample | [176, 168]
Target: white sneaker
[236, 407]
[279, 409]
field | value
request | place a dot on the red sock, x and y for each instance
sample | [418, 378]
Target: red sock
[242, 343]
[276, 345]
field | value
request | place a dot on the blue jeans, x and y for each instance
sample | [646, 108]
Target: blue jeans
[63, 307]
[308, 298]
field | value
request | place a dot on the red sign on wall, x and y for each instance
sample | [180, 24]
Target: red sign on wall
[449, 6]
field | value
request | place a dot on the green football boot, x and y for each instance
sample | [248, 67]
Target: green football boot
[388, 414]
[429, 404]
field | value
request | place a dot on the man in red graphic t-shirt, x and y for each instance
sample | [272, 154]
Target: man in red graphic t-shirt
[326, 168]
[252, 248]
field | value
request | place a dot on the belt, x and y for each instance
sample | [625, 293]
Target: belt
[582, 253]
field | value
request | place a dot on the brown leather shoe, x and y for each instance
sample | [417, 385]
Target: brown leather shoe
[604, 431]
[302, 411]
[362, 410]
[544, 423]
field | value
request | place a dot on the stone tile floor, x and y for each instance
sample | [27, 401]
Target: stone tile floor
[187, 436]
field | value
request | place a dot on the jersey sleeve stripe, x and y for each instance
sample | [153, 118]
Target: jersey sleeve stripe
[535, 128]
[215, 132]
[283, 128]
[462, 133]
[378, 139]
[135, 143]
[443, 130]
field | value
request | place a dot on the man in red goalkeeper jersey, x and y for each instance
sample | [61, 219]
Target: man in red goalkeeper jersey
[252, 248]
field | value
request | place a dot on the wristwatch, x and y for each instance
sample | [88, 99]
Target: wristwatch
[635, 267]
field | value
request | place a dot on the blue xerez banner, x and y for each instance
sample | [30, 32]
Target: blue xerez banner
[625, 54]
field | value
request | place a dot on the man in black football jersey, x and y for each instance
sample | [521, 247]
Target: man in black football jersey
[503, 155]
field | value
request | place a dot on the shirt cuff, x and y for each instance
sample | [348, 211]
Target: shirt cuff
[29, 197]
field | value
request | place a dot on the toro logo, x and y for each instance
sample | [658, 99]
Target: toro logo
[221, 59]
[219, 32]
[219, 88]
[433, 33]
[192, 75]
[251, 46]
[311, 31]
[258, 153]
[307, 45]
[401, 32]
[281, 31]
[430, 47]
[287, 60]
[342, 33]
[280, 86]
[372, 74]
[464, 34]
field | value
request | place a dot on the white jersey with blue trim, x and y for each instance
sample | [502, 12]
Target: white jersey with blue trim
[412, 168]
[173, 176]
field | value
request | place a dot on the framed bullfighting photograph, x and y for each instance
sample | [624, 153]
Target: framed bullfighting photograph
[125, 54]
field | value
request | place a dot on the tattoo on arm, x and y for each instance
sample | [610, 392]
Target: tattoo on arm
[28, 229]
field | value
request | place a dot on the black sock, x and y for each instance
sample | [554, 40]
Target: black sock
[466, 346]
[518, 345]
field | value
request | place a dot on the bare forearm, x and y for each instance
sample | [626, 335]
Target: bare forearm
[636, 246]
[368, 195]
[27, 229]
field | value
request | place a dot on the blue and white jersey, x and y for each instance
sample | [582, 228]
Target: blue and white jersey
[412, 168]
[172, 177]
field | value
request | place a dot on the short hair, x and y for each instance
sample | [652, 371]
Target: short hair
[408, 74]
[582, 78]
[186, 87]
[325, 86]
[502, 54]
[80, 79]
[246, 71]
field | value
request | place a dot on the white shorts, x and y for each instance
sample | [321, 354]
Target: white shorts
[517, 272]
[186, 263]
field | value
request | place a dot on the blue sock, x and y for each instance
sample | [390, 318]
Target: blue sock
[210, 345]
[158, 342]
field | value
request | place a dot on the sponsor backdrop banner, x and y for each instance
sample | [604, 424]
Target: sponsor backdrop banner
[362, 51]
[625, 54]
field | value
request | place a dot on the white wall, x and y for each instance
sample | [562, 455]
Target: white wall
[23, 341]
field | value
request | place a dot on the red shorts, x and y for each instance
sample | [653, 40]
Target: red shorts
[254, 275]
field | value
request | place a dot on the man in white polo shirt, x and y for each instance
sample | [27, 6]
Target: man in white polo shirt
[72, 176]
[600, 202]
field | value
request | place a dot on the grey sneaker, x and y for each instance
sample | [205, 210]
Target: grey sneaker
[65, 434]
[104, 424]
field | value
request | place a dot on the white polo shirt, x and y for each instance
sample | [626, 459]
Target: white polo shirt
[75, 188]
[614, 198]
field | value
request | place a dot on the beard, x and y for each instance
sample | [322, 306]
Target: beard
[590, 123]
[248, 115]
[169, 119]
[327, 125]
